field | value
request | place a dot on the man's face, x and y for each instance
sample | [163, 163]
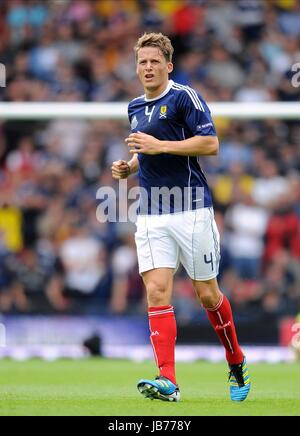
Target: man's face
[152, 68]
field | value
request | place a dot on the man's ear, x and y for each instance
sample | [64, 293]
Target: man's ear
[170, 67]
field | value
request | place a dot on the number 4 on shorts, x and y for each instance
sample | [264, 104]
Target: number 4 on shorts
[210, 260]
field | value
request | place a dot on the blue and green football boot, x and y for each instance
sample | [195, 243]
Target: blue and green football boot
[239, 381]
[159, 389]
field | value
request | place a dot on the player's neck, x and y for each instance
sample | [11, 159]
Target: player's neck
[156, 92]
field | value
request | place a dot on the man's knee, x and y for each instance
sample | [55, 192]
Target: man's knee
[208, 299]
[208, 293]
[157, 294]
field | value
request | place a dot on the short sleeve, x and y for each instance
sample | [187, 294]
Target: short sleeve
[195, 113]
[129, 112]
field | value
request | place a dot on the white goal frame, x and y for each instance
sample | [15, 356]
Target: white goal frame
[118, 111]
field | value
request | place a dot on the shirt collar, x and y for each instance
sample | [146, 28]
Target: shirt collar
[170, 84]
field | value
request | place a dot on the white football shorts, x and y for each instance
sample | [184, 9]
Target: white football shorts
[190, 238]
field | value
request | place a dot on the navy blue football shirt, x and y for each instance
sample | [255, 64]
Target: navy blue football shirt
[178, 113]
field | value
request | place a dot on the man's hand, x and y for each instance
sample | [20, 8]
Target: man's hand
[143, 143]
[120, 169]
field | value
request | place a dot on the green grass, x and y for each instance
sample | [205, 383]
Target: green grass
[108, 387]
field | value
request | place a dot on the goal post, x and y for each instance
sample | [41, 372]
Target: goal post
[118, 111]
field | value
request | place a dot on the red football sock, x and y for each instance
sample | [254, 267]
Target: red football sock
[163, 338]
[222, 321]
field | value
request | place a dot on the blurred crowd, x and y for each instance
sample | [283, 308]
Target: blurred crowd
[74, 50]
[56, 255]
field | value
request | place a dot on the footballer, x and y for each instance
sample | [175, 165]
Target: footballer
[171, 127]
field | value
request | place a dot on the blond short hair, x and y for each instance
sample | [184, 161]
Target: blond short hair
[158, 40]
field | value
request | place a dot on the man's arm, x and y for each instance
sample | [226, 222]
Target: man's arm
[195, 146]
[134, 164]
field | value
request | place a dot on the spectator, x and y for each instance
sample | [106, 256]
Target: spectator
[253, 91]
[44, 58]
[224, 70]
[31, 277]
[282, 232]
[270, 186]
[247, 225]
[234, 150]
[227, 187]
[83, 282]
[250, 16]
[69, 137]
[289, 20]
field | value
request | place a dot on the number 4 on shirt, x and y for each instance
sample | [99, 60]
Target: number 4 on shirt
[149, 113]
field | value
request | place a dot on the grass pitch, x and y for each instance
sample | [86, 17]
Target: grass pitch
[108, 387]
